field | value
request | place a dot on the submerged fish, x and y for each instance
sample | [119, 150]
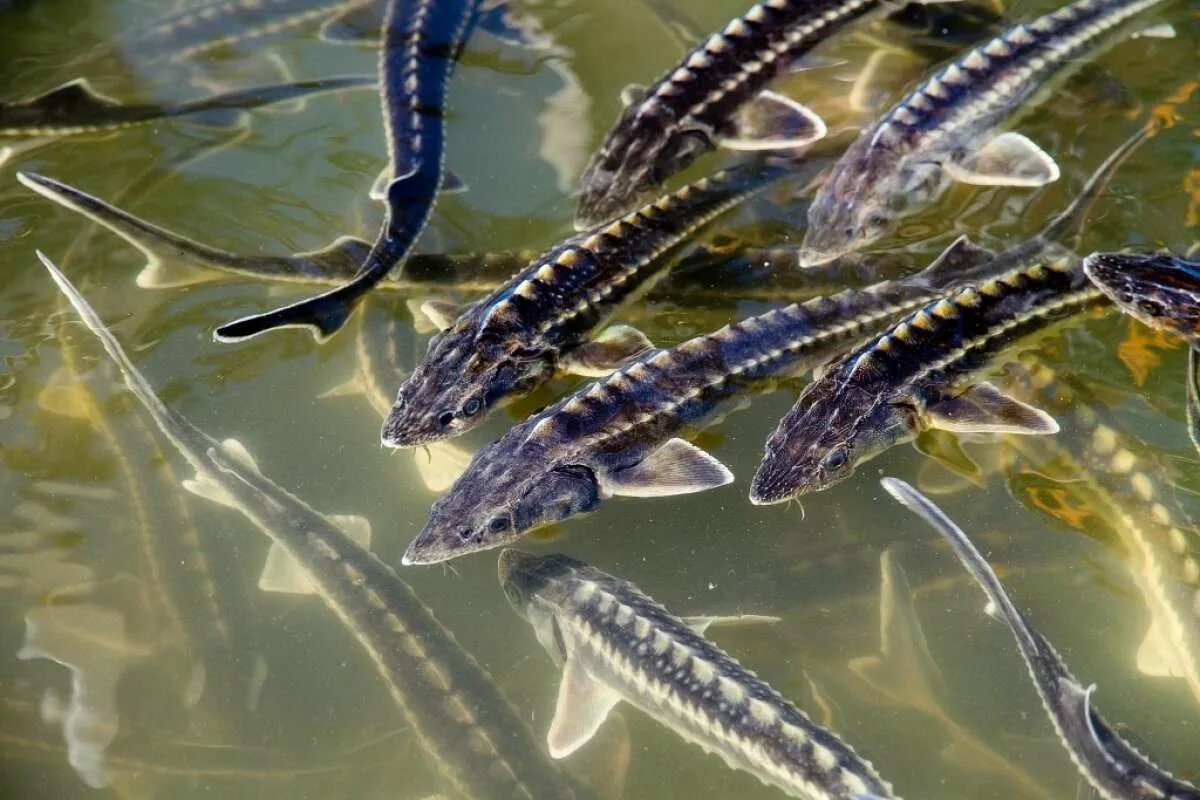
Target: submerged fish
[75, 108]
[540, 321]
[619, 436]
[615, 643]
[942, 131]
[1162, 291]
[199, 29]
[472, 735]
[175, 260]
[421, 43]
[916, 376]
[1127, 494]
[1114, 768]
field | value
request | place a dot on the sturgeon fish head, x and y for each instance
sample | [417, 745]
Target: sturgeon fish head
[831, 429]
[869, 188]
[1159, 289]
[510, 488]
[538, 588]
[640, 153]
[464, 374]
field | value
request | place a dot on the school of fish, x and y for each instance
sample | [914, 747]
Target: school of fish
[886, 351]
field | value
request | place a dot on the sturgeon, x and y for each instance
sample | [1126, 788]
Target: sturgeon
[614, 643]
[942, 131]
[1127, 492]
[1162, 291]
[1110, 764]
[421, 43]
[623, 435]
[714, 97]
[472, 735]
[918, 375]
[75, 108]
[538, 322]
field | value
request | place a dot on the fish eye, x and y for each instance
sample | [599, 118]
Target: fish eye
[835, 460]
[445, 418]
[471, 407]
[499, 524]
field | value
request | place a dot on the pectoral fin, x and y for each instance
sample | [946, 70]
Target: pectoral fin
[1009, 159]
[985, 409]
[612, 349]
[774, 122]
[582, 707]
[440, 464]
[442, 313]
[702, 624]
[948, 451]
[677, 467]
[238, 452]
[1163, 30]
[1156, 657]
[282, 573]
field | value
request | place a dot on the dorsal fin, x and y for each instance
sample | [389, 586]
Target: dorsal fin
[73, 97]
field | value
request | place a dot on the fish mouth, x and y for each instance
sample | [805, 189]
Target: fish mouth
[770, 486]
[401, 434]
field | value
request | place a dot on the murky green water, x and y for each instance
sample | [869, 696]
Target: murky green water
[109, 567]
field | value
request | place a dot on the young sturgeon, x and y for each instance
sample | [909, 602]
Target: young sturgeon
[175, 260]
[615, 643]
[1127, 493]
[1104, 759]
[1162, 291]
[618, 436]
[914, 376]
[75, 108]
[421, 43]
[539, 321]
[939, 132]
[474, 737]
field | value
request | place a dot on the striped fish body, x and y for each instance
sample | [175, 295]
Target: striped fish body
[616, 436]
[692, 105]
[615, 643]
[421, 43]
[907, 159]
[518, 336]
[912, 377]
[1130, 494]
[472, 736]
[1160, 290]
[199, 29]
[1114, 768]
[75, 108]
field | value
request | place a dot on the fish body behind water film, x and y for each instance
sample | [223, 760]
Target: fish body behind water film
[472, 735]
[1110, 764]
[944, 130]
[615, 643]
